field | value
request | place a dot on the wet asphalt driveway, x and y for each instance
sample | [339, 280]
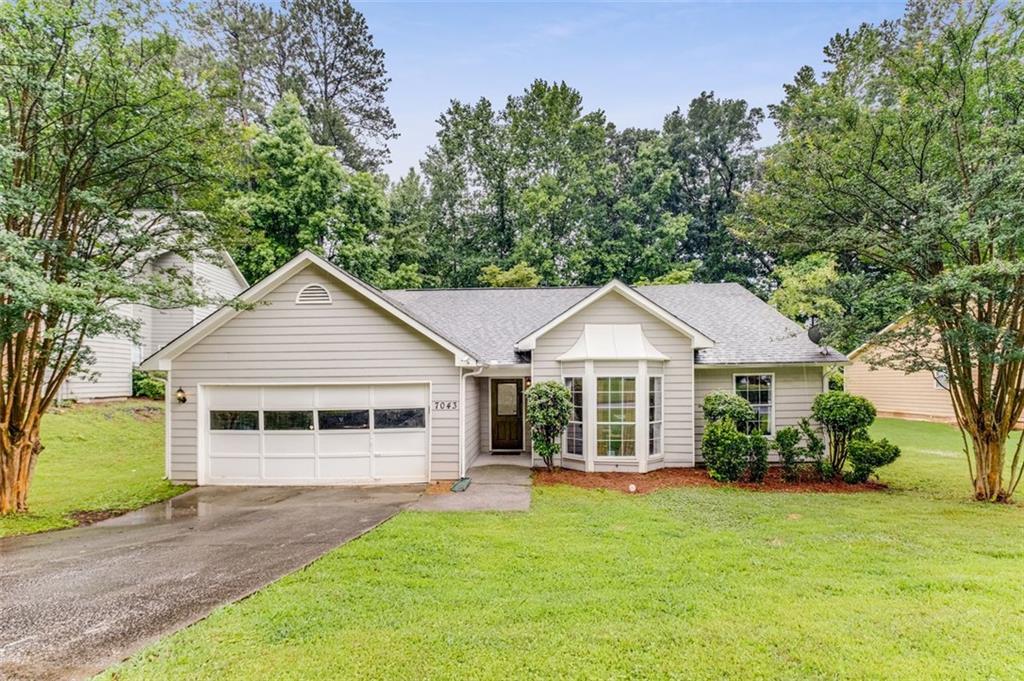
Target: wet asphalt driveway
[75, 601]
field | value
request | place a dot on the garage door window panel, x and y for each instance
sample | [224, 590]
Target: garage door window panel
[344, 419]
[234, 420]
[287, 420]
[393, 419]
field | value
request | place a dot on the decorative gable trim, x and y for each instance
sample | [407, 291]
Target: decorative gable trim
[699, 339]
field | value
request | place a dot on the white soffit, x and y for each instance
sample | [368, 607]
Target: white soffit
[612, 341]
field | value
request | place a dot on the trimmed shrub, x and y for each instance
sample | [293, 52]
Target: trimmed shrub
[867, 455]
[757, 456]
[721, 405]
[787, 444]
[149, 384]
[725, 450]
[842, 415]
[548, 408]
[813, 450]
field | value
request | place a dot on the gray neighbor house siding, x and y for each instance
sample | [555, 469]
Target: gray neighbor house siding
[281, 342]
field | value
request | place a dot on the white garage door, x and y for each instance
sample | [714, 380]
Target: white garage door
[296, 435]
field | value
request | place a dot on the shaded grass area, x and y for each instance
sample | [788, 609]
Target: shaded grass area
[695, 583]
[97, 457]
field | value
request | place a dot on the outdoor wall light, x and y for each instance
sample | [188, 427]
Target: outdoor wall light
[180, 394]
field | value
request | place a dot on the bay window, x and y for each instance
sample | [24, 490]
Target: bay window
[574, 433]
[654, 416]
[616, 416]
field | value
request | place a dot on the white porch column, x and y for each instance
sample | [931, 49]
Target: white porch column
[589, 415]
[642, 416]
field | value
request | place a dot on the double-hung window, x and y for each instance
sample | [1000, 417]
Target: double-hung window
[759, 390]
[616, 416]
[654, 416]
[574, 433]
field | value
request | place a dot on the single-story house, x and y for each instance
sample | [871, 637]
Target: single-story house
[114, 357]
[916, 395]
[324, 379]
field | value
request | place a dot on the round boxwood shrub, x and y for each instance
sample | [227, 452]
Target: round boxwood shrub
[721, 405]
[548, 408]
[725, 450]
[866, 455]
[842, 415]
[787, 444]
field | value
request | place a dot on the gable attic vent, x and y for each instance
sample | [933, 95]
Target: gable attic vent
[313, 294]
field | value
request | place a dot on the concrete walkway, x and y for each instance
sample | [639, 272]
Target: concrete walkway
[493, 487]
[75, 601]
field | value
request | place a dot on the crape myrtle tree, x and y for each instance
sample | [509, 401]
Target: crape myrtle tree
[97, 122]
[908, 155]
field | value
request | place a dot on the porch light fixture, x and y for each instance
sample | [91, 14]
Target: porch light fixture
[180, 394]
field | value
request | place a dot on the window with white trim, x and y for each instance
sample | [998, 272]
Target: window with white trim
[313, 294]
[616, 416]
[574, 432]
[941, 379]
[759, 390]
[654, 416]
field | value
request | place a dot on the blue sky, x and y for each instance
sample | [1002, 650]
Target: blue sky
[636, 61]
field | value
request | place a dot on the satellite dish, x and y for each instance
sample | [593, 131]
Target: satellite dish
[815, 333]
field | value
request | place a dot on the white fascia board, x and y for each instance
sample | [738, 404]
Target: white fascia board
[256, 292]
[700, 341]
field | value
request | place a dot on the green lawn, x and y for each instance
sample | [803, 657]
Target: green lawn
[96, 457]
[700, 583]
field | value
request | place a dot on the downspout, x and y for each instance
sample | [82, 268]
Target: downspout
[462, 418]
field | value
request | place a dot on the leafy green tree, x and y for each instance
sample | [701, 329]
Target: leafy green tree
[297, 196]
[97, 121]
[712, 148]
[320, 50]
[519, 275]
[405, 235]
[906, 156]
[804, 290]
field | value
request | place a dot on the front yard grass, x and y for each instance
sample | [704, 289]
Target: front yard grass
[97, 457]
[694, 583]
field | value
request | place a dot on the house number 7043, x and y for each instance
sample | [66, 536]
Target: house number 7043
[446, 405]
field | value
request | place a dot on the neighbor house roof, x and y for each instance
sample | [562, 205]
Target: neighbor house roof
[743, 328]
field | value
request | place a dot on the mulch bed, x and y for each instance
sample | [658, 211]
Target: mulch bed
[693, 477]
[90, 517]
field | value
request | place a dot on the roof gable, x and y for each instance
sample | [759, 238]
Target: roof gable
[162, 358]
[529, 342]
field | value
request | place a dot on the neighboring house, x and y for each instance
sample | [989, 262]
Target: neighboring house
[110, 375]
[329, 380]
[918, 395]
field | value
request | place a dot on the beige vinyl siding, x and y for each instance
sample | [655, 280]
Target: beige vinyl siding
[613, 308]
[350, 341]
[895, 393]
[471, 407]
[112, 371]
[794, 392]
[215, 280]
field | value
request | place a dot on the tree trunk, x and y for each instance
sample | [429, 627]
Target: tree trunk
[989, 455]
[18, 456]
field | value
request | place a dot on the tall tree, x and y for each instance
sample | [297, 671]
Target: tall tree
[345, 80]
[298, 196]
[908, 155]
[712, 147]
[96, 122]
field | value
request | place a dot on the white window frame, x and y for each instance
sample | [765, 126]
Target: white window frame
[619, 373]
[583, 424]
[660, 452]
[771, 417]
[941, 374]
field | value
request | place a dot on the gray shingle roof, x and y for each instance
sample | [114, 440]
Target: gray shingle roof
[488, 322]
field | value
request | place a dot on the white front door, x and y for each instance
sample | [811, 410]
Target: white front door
[333, 434]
